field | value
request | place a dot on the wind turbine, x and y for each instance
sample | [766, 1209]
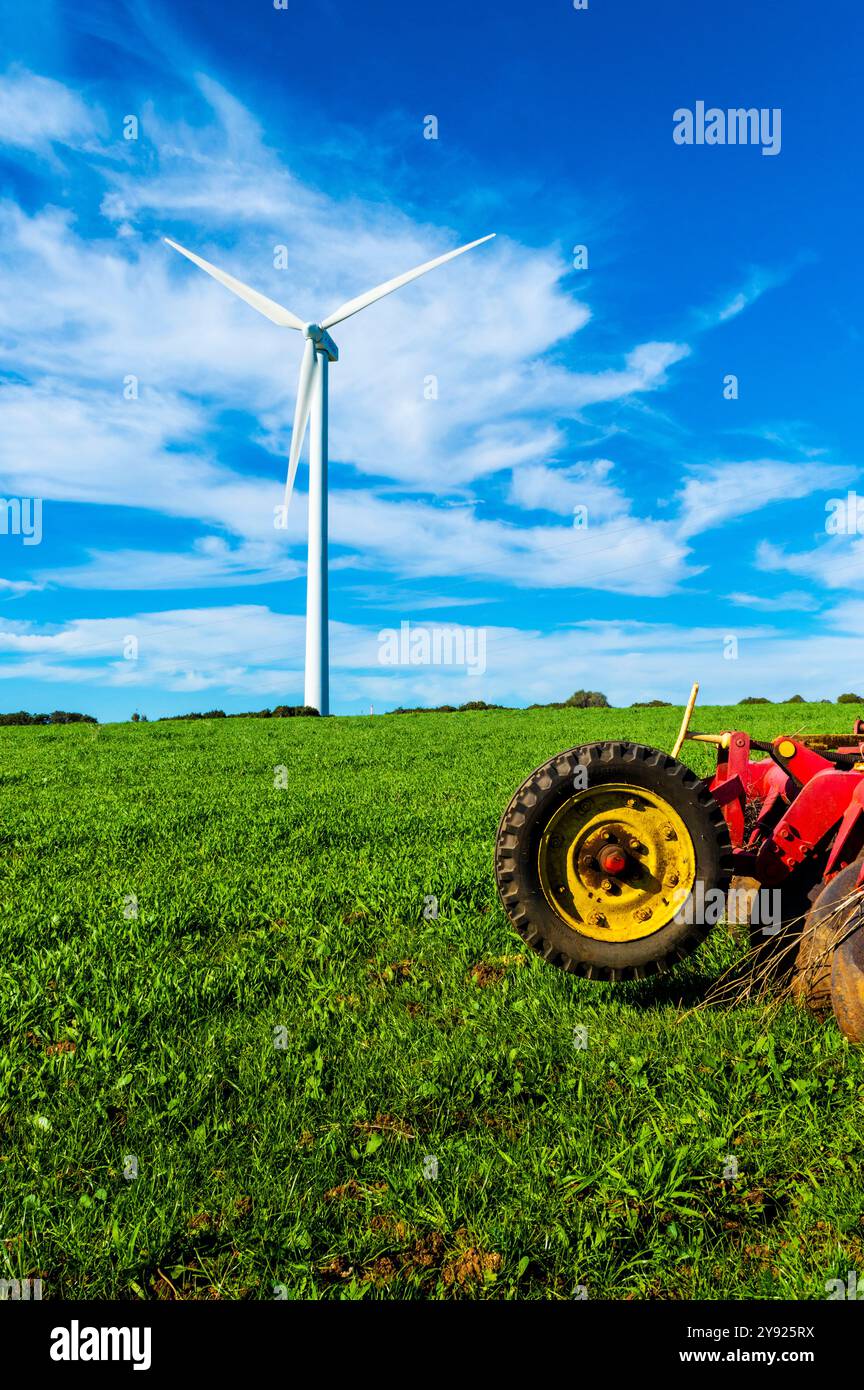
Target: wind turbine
[319, 351]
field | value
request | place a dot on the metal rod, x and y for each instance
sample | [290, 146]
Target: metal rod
[676, 747]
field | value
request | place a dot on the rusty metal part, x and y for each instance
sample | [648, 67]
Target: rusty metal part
[810, 984]
[847, 984]
[743, 892]
[829, 968]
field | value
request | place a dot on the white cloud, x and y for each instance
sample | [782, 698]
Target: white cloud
[560, 490]
[178, 649]
[17, 586]
[211, 563]
[794, 601]
[717, 494]
[759, 280]
[632, 556]
[36, 113]
[250, 651]
[838, 563]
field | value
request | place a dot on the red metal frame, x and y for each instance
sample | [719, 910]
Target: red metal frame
[800, 798]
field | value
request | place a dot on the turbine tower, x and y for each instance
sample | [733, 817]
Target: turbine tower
[312, 390]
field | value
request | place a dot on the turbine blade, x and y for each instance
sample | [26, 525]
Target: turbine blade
[268, 307]
[301, 416]
[353, 306]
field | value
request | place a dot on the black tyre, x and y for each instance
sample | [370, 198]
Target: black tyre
[606, 858]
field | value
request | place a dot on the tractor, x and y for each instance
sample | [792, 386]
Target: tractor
[614, 860]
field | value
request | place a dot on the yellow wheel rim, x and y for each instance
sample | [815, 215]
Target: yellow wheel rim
[601, 827]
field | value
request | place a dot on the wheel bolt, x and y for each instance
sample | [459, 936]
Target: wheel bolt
[669, 834]
[673, 879]
[606, 885]
[642, 914]
[597, 919]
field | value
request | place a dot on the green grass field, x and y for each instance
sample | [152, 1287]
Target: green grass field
[241, 992]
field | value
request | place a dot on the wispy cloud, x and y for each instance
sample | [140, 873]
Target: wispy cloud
[37, 113]
[14, 587]
[837, 563]
[562, 490]
[716, 494]
[758, 281]
[793, 601]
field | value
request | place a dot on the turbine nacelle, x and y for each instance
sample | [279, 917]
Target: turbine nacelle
[322, 340]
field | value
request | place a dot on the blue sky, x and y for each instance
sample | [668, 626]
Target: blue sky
[705, 554]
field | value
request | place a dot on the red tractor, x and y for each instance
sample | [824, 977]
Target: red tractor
[614, 860]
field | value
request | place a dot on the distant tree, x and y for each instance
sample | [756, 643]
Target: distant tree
[587, 699]
[755, 700]
[136, 716]
[796, 700]
[59, 716]
[22, 717]
[651, 704]
[849, 699]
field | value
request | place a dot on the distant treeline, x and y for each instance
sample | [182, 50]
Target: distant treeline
[59, 716]
[581, 699]
[445, 709]
[595, 699]
[280, 712]
[849, 699]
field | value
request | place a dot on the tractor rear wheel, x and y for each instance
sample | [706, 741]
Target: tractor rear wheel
[605, 858]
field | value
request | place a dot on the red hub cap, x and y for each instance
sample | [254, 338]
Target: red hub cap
[612, 860]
